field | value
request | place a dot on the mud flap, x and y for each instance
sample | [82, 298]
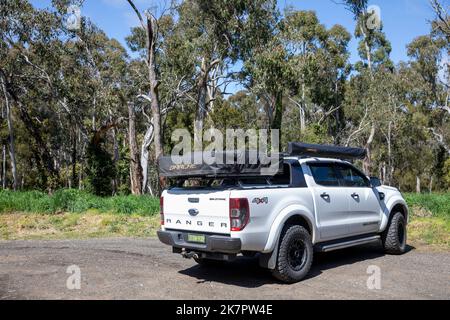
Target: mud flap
[269, 260]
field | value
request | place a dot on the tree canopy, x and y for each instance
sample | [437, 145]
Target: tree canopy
[79, 110]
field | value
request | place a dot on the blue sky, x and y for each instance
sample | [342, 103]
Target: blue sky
[403, 20]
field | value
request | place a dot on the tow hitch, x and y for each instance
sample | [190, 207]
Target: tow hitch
[189, 255]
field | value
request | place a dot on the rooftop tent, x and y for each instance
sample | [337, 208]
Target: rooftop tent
[325, 151]
[240, 166]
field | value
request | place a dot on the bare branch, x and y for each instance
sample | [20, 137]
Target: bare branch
[141, 19]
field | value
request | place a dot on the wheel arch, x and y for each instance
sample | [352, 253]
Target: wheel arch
[294, 215]
[299, 220]
[398, 205]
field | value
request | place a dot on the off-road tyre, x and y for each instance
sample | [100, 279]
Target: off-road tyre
[295, 254]
[394, 237]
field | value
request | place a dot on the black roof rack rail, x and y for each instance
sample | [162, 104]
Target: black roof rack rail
[325, 151]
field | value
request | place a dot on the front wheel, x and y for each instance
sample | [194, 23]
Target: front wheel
[394, 237]
[295, 255]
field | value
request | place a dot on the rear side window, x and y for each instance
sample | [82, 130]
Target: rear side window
[282, 178]
[324, 174]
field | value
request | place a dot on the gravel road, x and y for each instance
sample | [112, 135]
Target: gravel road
[146, 269]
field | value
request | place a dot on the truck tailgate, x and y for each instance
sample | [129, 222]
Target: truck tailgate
[199, 210]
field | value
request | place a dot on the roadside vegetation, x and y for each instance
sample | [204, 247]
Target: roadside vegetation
[77, 214]
[72, 213]
[429, 220]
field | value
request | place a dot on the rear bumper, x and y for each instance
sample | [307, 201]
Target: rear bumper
[214, 243]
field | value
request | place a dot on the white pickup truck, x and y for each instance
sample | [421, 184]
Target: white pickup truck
[313, 204]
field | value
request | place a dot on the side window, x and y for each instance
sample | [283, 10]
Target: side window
[283, 178]
[324, 174]
[351, 177]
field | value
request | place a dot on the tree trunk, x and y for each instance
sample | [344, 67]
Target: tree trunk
[418, 190]
[278, 112]
[366, 47]
[302, 110]
[74, 159]
[201, 112]
[154, 93]
[135, 166]
[367, 163]
[4, 167]
[12, 150]
[389, 143]
[148, 138]
[151, 29]
[43, 153]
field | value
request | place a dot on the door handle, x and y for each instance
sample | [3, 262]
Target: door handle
[325, 196]
[355, 195]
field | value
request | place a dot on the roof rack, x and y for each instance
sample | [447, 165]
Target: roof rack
[325, 151]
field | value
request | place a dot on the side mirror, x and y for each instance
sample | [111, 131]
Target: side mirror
[375, 182]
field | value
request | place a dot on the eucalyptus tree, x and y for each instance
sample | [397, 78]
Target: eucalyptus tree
[28, 42]
[374, 50]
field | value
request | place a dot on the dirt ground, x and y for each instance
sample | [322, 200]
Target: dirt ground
[147, 269]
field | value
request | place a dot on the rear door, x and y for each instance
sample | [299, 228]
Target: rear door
[364, 206]
[330, 200]
[202, 210]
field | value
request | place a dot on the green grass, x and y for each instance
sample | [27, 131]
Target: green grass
[75, 201]
[91, 224]
[436, 204]
[429, 219]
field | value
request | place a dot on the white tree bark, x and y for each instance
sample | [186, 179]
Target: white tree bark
[4, 167]
[148, 139]
[12, 150]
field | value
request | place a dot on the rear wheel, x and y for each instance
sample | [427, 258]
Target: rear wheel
[295, 255]
[394, 237]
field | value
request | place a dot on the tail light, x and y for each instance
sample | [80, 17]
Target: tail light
[239, 213]
[161, 209]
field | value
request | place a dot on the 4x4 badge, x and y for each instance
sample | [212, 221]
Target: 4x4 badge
[261, 200]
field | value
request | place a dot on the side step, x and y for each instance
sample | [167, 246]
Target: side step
[345, 243]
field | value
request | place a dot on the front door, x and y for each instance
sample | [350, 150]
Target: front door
[330, 201]
[364, 207]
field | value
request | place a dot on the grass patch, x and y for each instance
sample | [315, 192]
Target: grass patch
[434, 204]
[429, 219]
[70, 214]
[75, 201]
[430, 231]
[27, 226]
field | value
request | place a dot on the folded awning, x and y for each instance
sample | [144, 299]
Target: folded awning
[325, 151]
[223, 164]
